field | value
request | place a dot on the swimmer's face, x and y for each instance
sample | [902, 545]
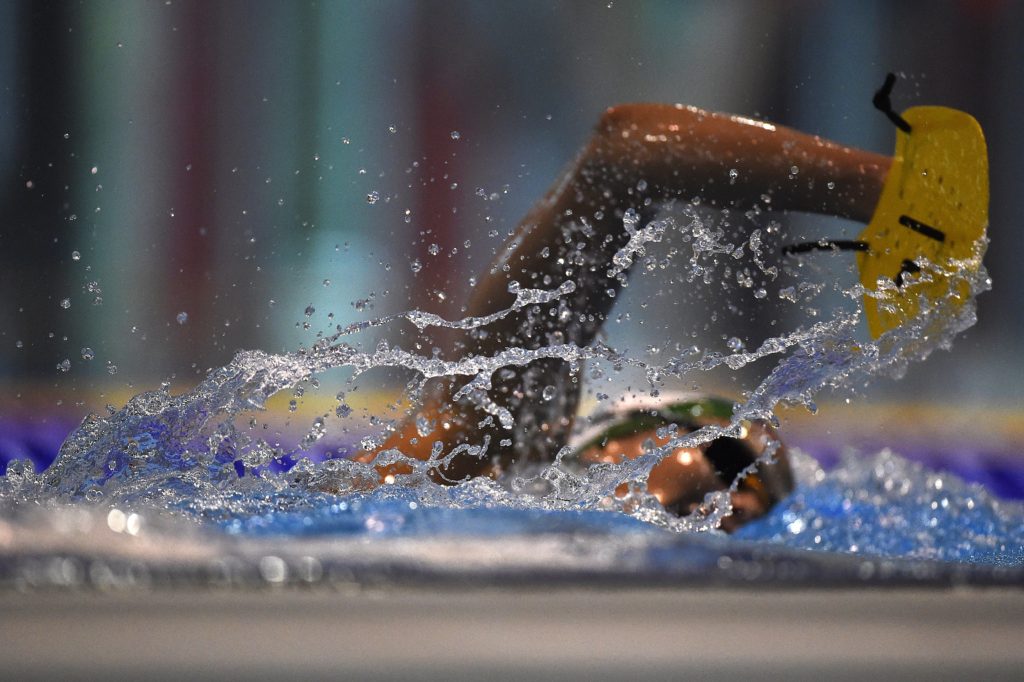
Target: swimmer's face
[681, 480]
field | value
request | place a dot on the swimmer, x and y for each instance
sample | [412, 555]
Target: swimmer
[639, 157]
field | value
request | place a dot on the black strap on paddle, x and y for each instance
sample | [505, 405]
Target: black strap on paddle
[824, 245]
[883, 104]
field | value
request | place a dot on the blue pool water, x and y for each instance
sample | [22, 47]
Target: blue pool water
[188, 487]
[875, 518]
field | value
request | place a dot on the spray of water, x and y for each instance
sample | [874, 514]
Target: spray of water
[198, 455]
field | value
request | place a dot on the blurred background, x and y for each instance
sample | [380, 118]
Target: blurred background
[182, 179]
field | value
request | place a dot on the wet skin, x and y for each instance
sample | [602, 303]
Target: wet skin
[675, 153]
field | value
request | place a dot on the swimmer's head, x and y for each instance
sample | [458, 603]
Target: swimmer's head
[683, 478]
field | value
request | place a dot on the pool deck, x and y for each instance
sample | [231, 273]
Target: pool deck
[497, 634]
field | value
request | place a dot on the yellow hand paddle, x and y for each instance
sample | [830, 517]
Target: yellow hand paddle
[934, 206]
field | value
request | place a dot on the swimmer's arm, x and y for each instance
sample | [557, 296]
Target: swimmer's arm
[674, 152]
[729, 160]
[639, 156]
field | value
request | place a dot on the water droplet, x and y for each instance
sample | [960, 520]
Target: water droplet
[416, 265]
[111, 368]
[19, 344]
[64, 365]
[327, 282]
[88, 353]
[456, 134]
[735, 344]
[65, 303]
[182, 317]
[548, 393]
[317, 431]
[733, 174]
[392, 128]
[373, 197]
[345, 140]
[94, 170]
[433, 249]
[76, 256]
[830, 184]
[630, 219]
[310, 310]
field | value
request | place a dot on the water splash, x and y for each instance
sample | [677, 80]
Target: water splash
[884, 505]
[192, 456]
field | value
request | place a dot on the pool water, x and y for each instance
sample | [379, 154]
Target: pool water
[188, 487]
[872, 518]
